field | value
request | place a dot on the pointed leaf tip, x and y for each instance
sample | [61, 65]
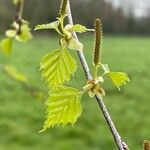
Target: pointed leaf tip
[57, 67]
[118, 78]
[63, 107]
[6, 45]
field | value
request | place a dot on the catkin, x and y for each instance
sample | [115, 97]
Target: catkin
[146, 145]
[63, 7]
[98, 41]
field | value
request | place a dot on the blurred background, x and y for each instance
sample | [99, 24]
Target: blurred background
[118, 16]
[126, 46]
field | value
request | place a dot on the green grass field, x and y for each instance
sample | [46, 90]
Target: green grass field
[21, 116]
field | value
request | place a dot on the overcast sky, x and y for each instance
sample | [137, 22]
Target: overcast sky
[140, 7]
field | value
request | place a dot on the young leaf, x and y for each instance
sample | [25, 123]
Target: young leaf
[15, 25]
[57, 67]
[13, 73]
[11, 33]
[75, 45]
[25, 34]
[52, 25]
[15, 2]
[63, 107]
[105, 68]
[80, 28]
[118, 78]
[6, 45]
[93, 88]
[67, 31]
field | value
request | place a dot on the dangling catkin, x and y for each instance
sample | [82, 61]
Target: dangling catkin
[98, 41]
[63, 7]
[146, 145]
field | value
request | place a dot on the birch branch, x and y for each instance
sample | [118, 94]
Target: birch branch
[19, 12]
[120, 144]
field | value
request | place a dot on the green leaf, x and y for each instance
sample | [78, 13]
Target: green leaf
[52, 25]
[15, 25]
[63, 107]
[57, 67]
[6, 45]
[105, 68]
[13, 73]
[11, 33]
[75, 45]
[25, 34]
[118, 78]
[15, 2]
[80, 28]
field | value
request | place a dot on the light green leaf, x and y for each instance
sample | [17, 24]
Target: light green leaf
[15, 25]
[63, 107]
[67, 31]
[80, 28]
[11, 33]
[57, 67]
[52, 25]
[13, 73]
[75, 45]
[25, 34]
[15, 2]
[6, 45]
[105, 68]
[118, 78]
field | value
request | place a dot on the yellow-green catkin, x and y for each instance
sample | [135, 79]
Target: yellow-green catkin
[63, 7]
[146, 145]
[98, 41]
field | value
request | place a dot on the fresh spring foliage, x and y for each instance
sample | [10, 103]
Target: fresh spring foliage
[57, 67]
[118, 78]
[63, 104]
[93, 87]
[15, 74]
[19, 30]
[6, 45]
[15, 2]
[24, 34]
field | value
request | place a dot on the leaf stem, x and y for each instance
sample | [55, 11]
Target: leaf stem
[120, 144]
[59, 32]
[21, 8]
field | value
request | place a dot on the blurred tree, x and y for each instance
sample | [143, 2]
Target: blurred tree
[6, 14]
[84, 12]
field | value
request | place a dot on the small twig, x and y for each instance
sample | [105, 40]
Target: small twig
[120, 144]
[26, 85]
[19, 12]
[80, 53]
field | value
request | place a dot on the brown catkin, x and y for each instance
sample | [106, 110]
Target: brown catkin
[146, 145]
[98, 41]
[63, 7]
